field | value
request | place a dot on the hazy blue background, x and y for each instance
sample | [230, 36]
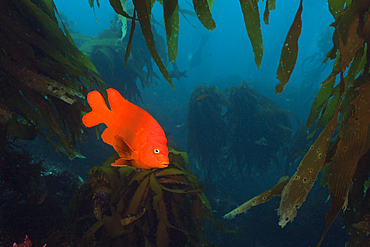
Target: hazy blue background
[228, 51]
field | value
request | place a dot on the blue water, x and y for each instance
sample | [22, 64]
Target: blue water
[227, 59]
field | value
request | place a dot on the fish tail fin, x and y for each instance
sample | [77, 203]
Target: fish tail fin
[184, 74]
[99, 110]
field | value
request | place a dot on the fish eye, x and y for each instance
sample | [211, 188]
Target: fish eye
[156, 151]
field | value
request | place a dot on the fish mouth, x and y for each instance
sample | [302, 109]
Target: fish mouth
[163, 164]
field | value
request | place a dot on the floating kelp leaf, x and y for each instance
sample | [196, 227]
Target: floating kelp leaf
[266, 14]
[364, 225]
[203, 11]
[89, 233]
[184, 155]
[262, 198]
[129, 44]
[163, 238]
[357, 66]
[159, 205]
[171, 21]
[253, 26]
[18, 130]
[131, 218]
[143, 207]
[137, 201]
[113, 225]
[336, 69]
[112, 175]
[336, 7]
[185, 12]
[111, 159]
[346, 28]
[42, 84]
[140, 175]
[48, 113]
[5, 113]
[289, 52]
[20, 105]
[126, 171]
[56, 34]
[324, 176]
[39, 60]
[295, 192]
[171, 171]
[177, 180]
[270, 6]
[144, 19]
[111, 42]
[81, 36]
[350, 149]
[180, 191]
[117, 6]
[328, 111]
[197, 209]
[347, 108]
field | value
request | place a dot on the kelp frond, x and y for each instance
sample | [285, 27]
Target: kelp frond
[43, 74]
[343, 103]
[133, 206]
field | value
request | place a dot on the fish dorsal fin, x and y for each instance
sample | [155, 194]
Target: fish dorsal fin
[99, 109]
[129, 115]
[115, 99]
[123, 149]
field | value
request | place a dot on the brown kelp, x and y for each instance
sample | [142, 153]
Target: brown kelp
[107, 52]
[207, 136]
[259, 129]
[42, 75]
[238, 129]
[134, 207]
[345, 153]
[171, 9]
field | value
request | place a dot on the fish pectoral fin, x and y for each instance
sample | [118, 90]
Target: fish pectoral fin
[123, 149]
[107, 137]
[121, 162]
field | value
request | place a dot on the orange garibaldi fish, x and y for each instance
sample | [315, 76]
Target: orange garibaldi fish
[135, 135]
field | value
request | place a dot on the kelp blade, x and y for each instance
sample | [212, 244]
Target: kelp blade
[262, 198]
[171, 21]
[253, 26]
[295, 192]
[203, 11]
[350, 149]
[289, 52]
[143, 16]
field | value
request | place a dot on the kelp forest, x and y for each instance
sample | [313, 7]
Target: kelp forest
[226, 143]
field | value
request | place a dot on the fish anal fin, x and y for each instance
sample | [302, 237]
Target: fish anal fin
[123, 149]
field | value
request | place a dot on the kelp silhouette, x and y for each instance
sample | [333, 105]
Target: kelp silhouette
[42, 76]
[236, 130]
[346, 152]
